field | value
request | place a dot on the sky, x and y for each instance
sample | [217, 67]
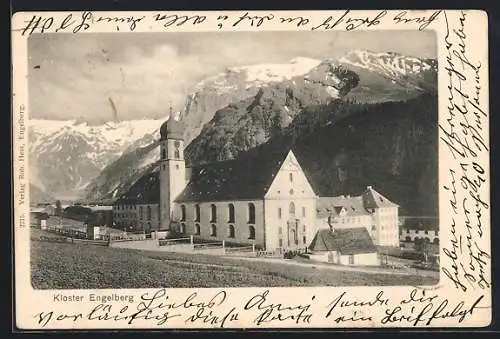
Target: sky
[81, 76]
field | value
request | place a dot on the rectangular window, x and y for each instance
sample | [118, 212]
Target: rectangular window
[351, 259]
[279, 213]
[291, 177]
[303, 211]
[280, 242]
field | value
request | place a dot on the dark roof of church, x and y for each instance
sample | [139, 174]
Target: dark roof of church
[249, 176]
[146, 190]
[344, 240]
[174, 129]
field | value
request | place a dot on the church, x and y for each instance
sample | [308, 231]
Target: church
[262, 198]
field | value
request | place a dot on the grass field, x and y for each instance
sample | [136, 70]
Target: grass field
[80, 266]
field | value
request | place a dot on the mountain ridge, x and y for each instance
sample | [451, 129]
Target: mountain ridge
[264, 98]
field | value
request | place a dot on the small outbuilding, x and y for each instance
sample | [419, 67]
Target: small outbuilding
[346, 246]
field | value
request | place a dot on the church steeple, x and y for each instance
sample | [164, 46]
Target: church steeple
[172, 167]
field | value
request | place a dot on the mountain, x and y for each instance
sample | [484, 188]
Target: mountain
[64, 156]
[363, 86]
[282, 94]
[248, 123]
[392, 146]
[390, 76]
[116, 179]
[234, 84]
[37, 195]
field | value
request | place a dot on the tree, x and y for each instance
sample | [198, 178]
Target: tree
[422, 246]
[58, 208]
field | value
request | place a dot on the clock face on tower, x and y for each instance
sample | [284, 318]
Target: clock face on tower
[177, 143]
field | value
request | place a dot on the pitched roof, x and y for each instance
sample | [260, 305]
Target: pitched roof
[373, 199]
[354, 206]
[327, 206]
[249, 176]
[344, 240]
[146, 190]
[172, 128]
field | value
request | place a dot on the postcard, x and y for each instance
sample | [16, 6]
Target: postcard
[251, 169]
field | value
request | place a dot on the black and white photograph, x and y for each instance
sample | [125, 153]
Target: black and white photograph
[251, 169]
[236, 159]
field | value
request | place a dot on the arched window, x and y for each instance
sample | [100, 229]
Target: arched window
[251, 213]
[291, 209]
[280, 230]
[213, 213]
[214, 230]
[231, 231]
[231, 213]
[149, 212]
[251, 232]
[291, 177]
[164, 154]
[183, 213]
[436, 241]
[303, 211]
[279, 213]
[183, 228]
[197, 229]
[140, 213]
[196, 212]
[177, 153]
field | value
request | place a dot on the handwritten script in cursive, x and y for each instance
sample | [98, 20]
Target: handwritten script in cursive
[348, 21]
[465, 262]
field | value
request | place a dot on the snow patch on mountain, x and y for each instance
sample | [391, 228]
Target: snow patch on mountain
[258, 75]
[389, 64]
[67, 155]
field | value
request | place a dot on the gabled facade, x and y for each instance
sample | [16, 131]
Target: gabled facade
[290, 207]
[262, 198]
[273, 208]
[370, 210]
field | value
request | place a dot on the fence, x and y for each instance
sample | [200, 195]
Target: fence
[273, 254]
[243, 251]
[125, 237]
[69, 232]
[199, 244]
[69, 240]
[176, 241]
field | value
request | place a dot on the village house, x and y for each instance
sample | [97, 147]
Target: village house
[38, 217]
[419, 228]
[263, 198]
[139, 208]
[344, 246]
[370, 210]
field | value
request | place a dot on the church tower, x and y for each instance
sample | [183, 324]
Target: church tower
[172, 168]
